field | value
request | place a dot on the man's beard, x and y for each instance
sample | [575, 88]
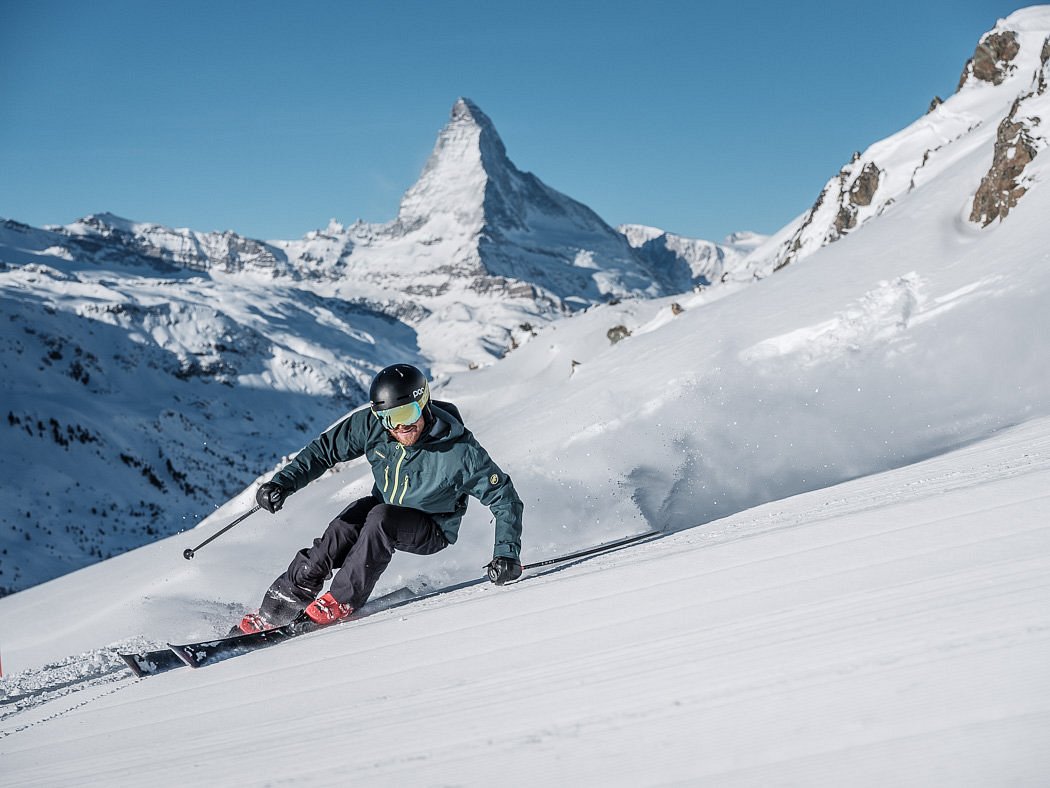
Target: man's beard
[407, 438]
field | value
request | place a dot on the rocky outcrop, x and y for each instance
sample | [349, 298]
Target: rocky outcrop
[1003, 186]
[1044, 60]
[859, 195]
[837, 210]
[991, 61]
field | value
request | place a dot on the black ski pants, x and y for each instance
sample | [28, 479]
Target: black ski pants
[359, 543]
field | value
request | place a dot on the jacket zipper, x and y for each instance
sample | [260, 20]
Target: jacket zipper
[397, 473]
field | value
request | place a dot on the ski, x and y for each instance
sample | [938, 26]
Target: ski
[151, 663]
[197, 655]
[208, 652]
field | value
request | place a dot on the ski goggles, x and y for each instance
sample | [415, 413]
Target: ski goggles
[401, 416]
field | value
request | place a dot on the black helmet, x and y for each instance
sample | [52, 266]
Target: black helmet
[395, 387]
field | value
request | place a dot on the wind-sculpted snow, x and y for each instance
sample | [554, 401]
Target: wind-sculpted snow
[876, 317]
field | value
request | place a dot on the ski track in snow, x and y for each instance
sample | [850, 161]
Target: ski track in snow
[39, 695]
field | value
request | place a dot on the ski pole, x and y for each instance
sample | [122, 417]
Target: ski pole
[189, 551]
[593, 550]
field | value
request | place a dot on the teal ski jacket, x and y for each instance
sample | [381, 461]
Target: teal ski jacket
[436, 475]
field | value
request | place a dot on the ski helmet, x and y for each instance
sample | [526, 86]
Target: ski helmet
[398, 395]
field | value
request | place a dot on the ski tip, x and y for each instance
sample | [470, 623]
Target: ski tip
[132, 661]
[150, 663]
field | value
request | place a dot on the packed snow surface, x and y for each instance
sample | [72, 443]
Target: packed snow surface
[889, 630]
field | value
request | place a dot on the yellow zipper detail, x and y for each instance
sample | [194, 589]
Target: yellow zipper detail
[386, 478]
[397, 472]
[404, 490]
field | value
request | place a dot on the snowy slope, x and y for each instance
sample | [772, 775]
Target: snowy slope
[149, 398]
[698, 263]
[852, 459]
[891, 630]
[995, 114]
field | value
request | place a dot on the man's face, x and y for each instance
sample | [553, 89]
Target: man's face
[408, 434]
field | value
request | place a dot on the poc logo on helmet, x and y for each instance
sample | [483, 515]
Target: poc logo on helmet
[418, 393]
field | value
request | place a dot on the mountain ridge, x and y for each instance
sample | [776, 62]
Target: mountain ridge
[1001, 96]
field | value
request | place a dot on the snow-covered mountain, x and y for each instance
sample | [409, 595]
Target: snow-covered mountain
[695, 262]
[997, 113]
[155, 372]
[852, 459]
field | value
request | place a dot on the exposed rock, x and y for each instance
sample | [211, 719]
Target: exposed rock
[860, 195]
[1044, 60]
[863, 189]
[1002, 187]
[936, 102]
[991, 60]
[616, 333]
[835, 211]
[845, 219]
[676, 309]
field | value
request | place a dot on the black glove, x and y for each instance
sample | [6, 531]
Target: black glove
[503, 570]
[270, 497]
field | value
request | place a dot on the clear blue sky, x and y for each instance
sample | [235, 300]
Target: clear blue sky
[269, 118]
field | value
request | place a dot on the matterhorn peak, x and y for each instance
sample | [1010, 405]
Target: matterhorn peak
[497, 221]
[467, 116]
[467, 152]
[465, 110]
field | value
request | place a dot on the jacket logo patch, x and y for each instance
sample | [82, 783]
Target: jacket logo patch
[494, 479]
[380, 454]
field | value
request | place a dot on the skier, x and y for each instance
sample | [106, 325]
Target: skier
[425, 463]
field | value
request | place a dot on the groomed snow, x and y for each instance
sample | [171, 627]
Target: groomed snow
[889, 630]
